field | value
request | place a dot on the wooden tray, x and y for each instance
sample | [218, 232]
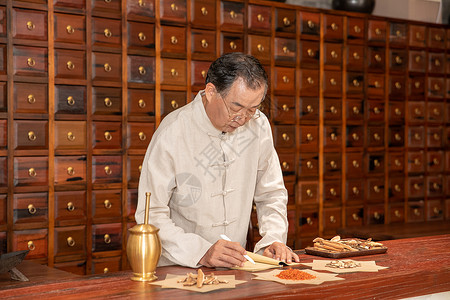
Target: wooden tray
[313, 251]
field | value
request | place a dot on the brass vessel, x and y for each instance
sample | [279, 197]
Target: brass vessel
[144, 248]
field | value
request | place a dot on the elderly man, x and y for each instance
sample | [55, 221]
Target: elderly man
[205, 166]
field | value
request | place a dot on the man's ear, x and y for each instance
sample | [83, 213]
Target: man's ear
[210, 90]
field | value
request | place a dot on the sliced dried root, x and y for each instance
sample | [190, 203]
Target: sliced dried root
[200, 279]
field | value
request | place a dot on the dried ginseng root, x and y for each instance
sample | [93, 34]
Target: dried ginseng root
[339, 264]
[200, 279]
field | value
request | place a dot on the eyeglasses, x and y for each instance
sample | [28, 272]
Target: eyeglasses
[242, 113]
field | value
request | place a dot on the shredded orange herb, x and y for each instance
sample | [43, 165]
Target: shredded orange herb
[294, 274]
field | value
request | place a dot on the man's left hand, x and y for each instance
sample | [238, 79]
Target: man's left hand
[281, 252]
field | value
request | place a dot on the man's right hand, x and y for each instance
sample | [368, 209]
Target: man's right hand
[224, 254]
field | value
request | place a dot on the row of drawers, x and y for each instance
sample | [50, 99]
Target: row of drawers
[232, 16]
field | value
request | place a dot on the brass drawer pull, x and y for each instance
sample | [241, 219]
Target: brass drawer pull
[435, 161]
[233, 46]
[260, 18]
[31, 62]
[355, 83]
[398, 33]
[377, 31]
[309, 165]
[355, 164]
[377, 137]
[355, 217]
[417, 111]
[397, 163]
[142, 37]
[356, 55]
[260, 48]
[70, 206]
[31, 99]
[140, 168]
[204, 73]
[107, 204]
[70, 171]
[397, 213]
[107, 135]
[436, 112]
[355, 190]
[174, 104]
[311, 52]
[398, 112]
[285, 107]
[107, 1]
[285, 79]
[334, 26]
[204, 44]
[105, 270]
[70, 100]
[356, 29]
[376, 162]
[377, 84]
[70, 241]
[333, 137]
[107, 239]
[31, 136]
[173, 7]
[417, 137]
[107, 33]
[436, 211]
[398, 85]
[418, 36]
[416, 212]
[355, 136]
[309, 137]
[31, 209]
[437, 38]
[377, 189]
[355, 110]
[436, 136]
[436, 186]
[378, 57]
[310, 80]
[333, 110]
[417, 162]
[70, 65]
[286, 50]
[398, 60]
[107, 67]
[204, 11]
[173, 72]
[310, 24]
[333, 81]
[376, 110]
[416, 186]
[333, 164]
[107, 101]
[436, 87]
[233, 14]
[332, 219]
[437, 62]
[309, 109]
[286, 21]
[70, 136]
[142, 136]
[418, 58]
[285, 137]
[142, 70]
[32, 172]
[376, 215]
[30, 25]
[141, 103]
[309, 193]
[285, 165]
[70, 29]
[31, 245]
[417, 84]
[173, 40]
[333, 192]
[309, 221]
[398, 137]
[108, 170]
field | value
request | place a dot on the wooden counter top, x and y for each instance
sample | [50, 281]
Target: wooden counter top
[417, 266]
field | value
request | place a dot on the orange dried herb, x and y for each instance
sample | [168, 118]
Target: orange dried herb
[294, 274]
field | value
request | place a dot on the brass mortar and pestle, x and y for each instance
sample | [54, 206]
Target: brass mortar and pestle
[144, 248]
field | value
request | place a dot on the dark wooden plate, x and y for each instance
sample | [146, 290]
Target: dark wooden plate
[313, 251]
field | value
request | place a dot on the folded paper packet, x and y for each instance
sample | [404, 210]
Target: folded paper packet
[262, 263]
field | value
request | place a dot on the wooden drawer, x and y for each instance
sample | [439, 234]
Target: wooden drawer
[29, 24]
[3, 201]
[139, 135]
[144, 9]
[416, 137]
[30, 208]
[376, 59]
[397, 87]
[397, 60]
[106, 32]
[435, 161]
[70, 170]
[3, 97]
[284, 80]
[70, 208]
[308, 165]
[106, 237]
[377, 31]
[309, 54]
[259, 18]
[436, 38]
[59, 4]
[354, 111]
[333, 27]
[416, 187]
[231, 43]
[308, 223]
[375, 214]
[435, 210]
[332, 192]
[141, 69]
[33, 240]
[332, 165]
[106, 101]
[284, 109]
[30, 61]
[106, 169]
[417, 61]
[134, 167]
[203, 13]
[355, 165]
[396, 113]
[375, 136]
[416, 88]
[354, 216]
[70, 135]
[70, 64]
[70, 100]
[107, 135]
[417, 36]
[308, 192]
[75, 267]
[141, 36]
[70, 241]
[310, 24]
[70, 28]
[435, 137]
[436, 62]
[203, 43]
[396, 190]
[173, 72]
[332, 110]
[287, 162]
[374, 164]
[332, 84]
[106, 204]
[436, 87]
[416, 211]
[397, 34]
[259, 47]
[416, 162]
[435, 112]
[284, 136]
[173, 39]
[3, 171]
[375, 111]
[355, 29]
[354, 191]
[396, 162]
[396, 136]
[285, 50]
[309, 110]
[106, 66]
[106, 265]
[112, 6]
[30, 171]
[416, 112]
[332, 138]
[355, 85]
[132, 199]
[435, 186]
[3, 21]
[199, 70]
[30, 98]
[173, 11]
[355, 136]
[332, 219]
[141, 102]
[285, 20]
[30, 135]
[397, 213]
[171, 101]
[309, 138]
[232, 16]
[375, 86]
